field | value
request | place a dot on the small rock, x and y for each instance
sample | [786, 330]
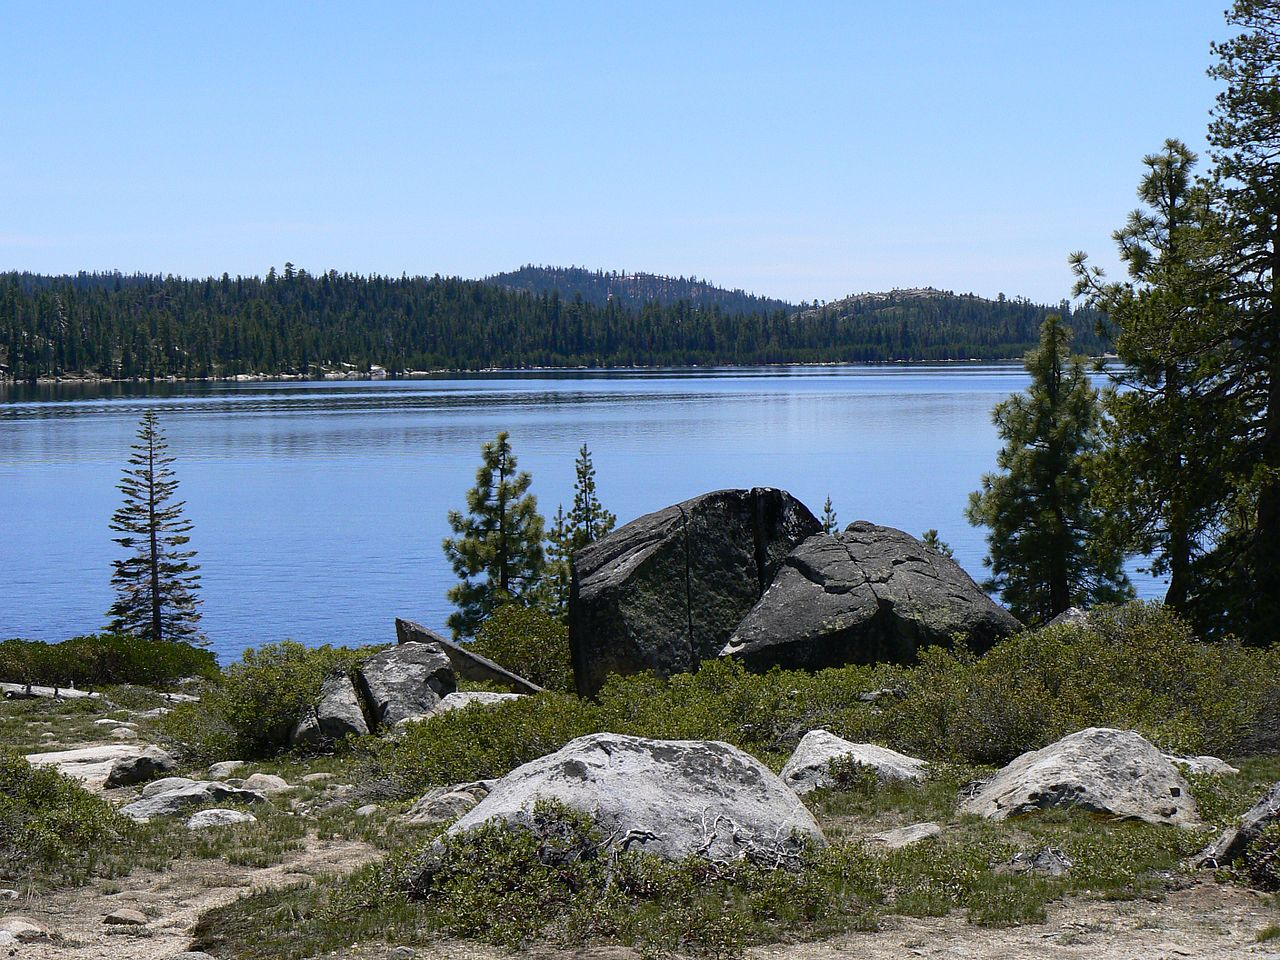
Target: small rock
[24, 929]
[218, 818]
[151, 762]
[9, 894]
[266, 783]
[165, 784]
[448, 803]
[192, 955]
[461, 699]
[107, 722]
[153, 713]
[905, 836]
[317, 777]
[368, 810]
[402, 953]
[1203, 765]
[172, 802]
[1049, 862]
[127, 917]
[124, 733]
[224, 768]
[809, 767]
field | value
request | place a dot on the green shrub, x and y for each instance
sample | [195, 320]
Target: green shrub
[104, 659]
[528, 641]
[48, 822]
[1262, 859]
[250, 713]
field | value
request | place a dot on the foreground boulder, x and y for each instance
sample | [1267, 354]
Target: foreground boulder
[810, 766]
[1116, 773]
[405, 681]
[173, 802]
[867, 595]
[665, 591]
[337, 714]
[1233, 842]
[673, 798]
[148, 765]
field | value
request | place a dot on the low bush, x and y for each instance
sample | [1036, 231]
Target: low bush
[102, 660]
[49, 823]
[1262, 859]
[528, 641]
[250, 713]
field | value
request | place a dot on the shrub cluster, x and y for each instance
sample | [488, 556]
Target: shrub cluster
[102, 660]
[528, 641]
[48, 821]
[250, 713]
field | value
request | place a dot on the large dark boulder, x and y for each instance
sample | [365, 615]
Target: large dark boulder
[665, 591]
[866, 595]
[405, 681]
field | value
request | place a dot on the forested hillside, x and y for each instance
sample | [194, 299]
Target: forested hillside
[599, 287]
[295, 322]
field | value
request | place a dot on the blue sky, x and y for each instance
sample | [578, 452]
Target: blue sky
[800, 150]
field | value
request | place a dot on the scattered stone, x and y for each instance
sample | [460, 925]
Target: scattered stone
[1072, 616]
[24, 929]
[402, 953]
[337, 714]
[665, 591]
[1049, 862]
[466, 664]
[218, 817]
[405, 680]
[1203, 765]
[107, 722]
[1232, 843]
[90, 765]
[267, 783]
[150, 763]
[875, 696]
[192, 955]
[673, 798]
[24, 691]
[153, 714]
[368, 810]
[1111, 772]
[173, 802]
[905, 836]
[318, 777]
[127, 917]
[809, 767]
[7, 894]
[447, 803]
[224, 768]
[867, 595]
[123, 733]
[165, 784]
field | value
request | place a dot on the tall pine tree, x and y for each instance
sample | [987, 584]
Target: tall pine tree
[588, 520]
[155, 586]
[497, 548]
[1044, 554]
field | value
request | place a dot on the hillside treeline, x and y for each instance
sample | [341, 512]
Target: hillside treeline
[294, 322]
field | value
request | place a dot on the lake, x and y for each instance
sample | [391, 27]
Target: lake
[319, 507]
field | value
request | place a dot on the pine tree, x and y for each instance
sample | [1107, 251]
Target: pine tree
[559, 559]
[588, 520]
[1244, 138]
[497, 551]
[1043, 552]
[931, 540]
[830, 524]
[156, 586]
[1159, 478]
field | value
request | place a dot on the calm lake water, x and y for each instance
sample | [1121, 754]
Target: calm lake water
[319, 507]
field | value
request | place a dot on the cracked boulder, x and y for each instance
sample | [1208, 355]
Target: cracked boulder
[408, 680]
[672, 798]
[867, 595]
[665, 591]
[1114, 773]
[337, 714]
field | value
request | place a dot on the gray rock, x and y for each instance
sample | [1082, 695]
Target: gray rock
[123, 733]
[337, 714]
[905, 836]
[1048, 862]
[867, 595]
[224, 768]
[466, 663]
[665, 591]
[318, 777]
[809, 767]
[1072, 616]
[218, 817]
[267, 783]
[460, 699]
[151, 763]
[1203, 765]
[127, 917]
[173, 802]
[165, 784]
[90, 765]
[24, 929]
[368, 810]
[1232, 843]
[1112, 772]
[673, 798]
[192, 955]
[27, 691]
[404, 681]
[447, 803]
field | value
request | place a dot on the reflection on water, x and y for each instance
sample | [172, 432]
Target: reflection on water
[320, 507]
